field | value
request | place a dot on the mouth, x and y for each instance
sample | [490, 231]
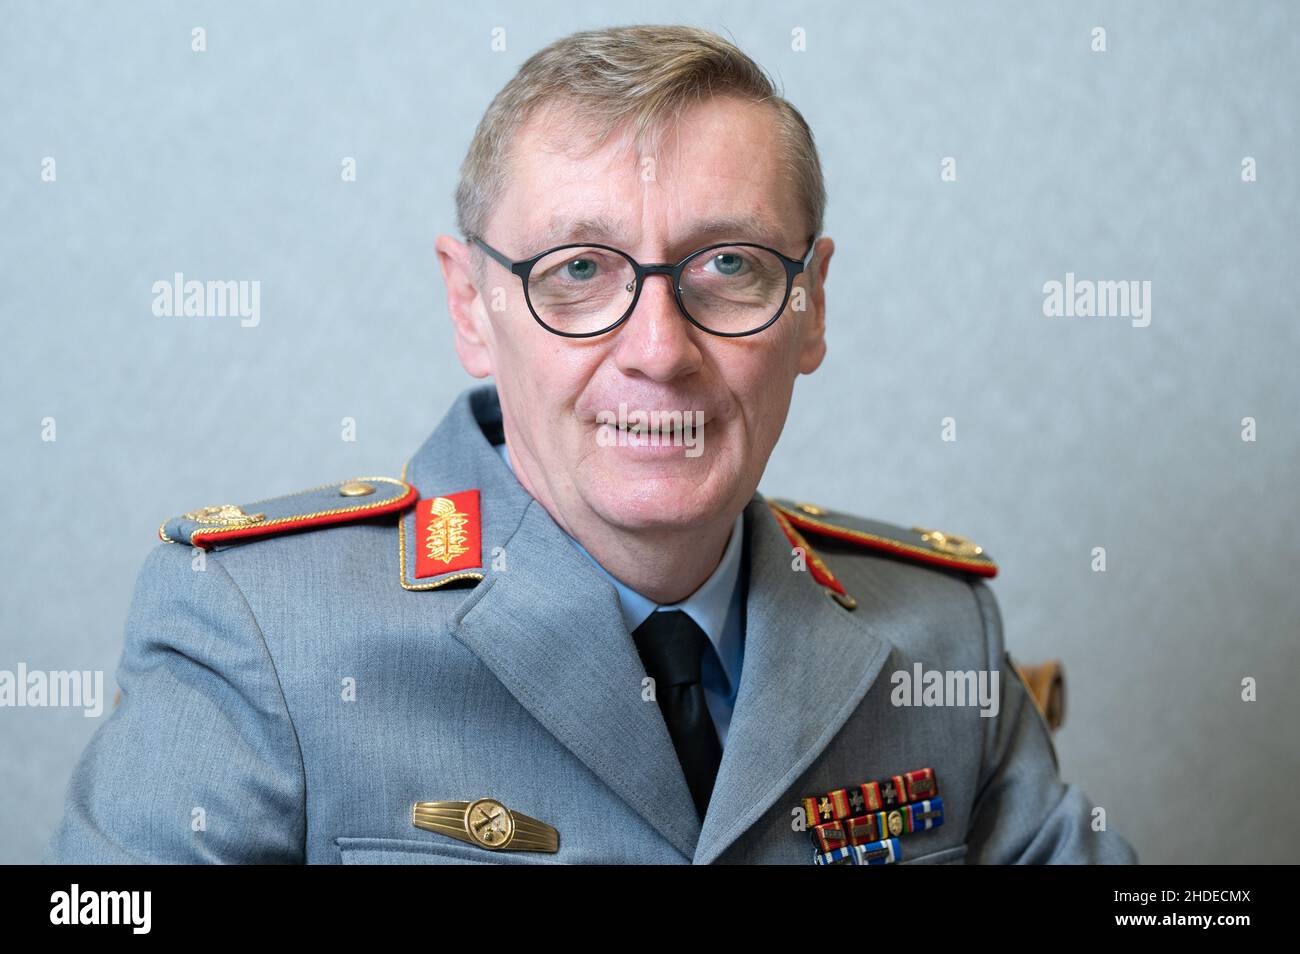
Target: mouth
[631, 428]
[624, 413]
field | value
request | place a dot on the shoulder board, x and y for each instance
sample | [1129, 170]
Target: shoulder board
[932, 547]
[343, 502]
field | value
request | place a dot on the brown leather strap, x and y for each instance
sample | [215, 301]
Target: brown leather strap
[1046, 682]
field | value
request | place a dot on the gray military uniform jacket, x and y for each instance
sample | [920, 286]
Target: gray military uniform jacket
[289, 699]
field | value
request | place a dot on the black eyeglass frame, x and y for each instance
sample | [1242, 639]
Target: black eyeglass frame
[793, 268]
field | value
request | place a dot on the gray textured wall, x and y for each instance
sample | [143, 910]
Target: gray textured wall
[1072, 433]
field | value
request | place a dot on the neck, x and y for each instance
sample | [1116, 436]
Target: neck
[666, 566]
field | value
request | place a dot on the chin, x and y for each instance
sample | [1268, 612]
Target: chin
[662, 498]
[651, 515]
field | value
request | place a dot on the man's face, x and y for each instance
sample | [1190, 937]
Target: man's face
[720, 162]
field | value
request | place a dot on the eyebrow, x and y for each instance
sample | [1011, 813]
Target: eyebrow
[743, 228]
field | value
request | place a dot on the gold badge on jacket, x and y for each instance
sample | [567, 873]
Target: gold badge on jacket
[486, 823]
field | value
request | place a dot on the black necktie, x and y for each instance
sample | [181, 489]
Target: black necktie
[672, 647]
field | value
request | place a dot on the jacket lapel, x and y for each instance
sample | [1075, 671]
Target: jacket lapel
[550, 629]
[808, 663]
[548, 625]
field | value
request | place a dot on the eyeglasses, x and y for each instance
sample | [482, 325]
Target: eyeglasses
[581, 290]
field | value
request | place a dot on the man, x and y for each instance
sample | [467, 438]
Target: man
[574, 631]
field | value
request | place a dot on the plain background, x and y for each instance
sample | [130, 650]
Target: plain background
[1072, 433]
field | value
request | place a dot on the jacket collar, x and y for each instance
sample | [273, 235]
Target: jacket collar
[458, 456]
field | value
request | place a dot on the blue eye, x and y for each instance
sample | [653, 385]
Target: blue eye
[728, 263]
[580, 268]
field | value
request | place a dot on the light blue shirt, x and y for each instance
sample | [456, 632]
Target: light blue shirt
[718, 607]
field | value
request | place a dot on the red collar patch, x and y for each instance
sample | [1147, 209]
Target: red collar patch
[448, 534]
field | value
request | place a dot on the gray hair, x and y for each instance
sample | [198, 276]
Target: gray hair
[635, 78]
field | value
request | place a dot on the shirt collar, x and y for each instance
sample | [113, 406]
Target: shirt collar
[708, 605]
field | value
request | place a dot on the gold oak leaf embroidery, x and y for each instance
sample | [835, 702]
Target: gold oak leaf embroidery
[446, 534]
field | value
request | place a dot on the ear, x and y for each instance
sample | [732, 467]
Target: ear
[473, 332]
[812, 344]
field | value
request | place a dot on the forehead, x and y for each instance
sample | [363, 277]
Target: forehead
[717, 171]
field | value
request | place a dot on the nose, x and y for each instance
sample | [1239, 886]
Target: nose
[656, 338]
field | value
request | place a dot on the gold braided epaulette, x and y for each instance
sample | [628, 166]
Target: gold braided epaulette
[921, 545]
[343, 502]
